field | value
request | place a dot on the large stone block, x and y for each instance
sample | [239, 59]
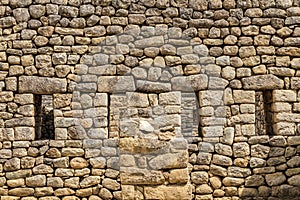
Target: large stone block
[170, 161]
[42, 85]
[263, 82]
[24, 133]
[142, 177]
[113, 84]
[141, 145]
[156, 41]
[169, 192]
[149, 86]
[6, 96]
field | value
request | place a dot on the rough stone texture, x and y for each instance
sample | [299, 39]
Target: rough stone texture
[180, 99]
[41, 85]
[263, 82]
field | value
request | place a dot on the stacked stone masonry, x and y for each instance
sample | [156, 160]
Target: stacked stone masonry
[149, 99]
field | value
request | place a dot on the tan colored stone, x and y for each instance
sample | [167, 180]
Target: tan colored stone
[21, 192]
[141, 177]
[78, 163]
[178, 176]
[262, 82]
[63, 192]
[42, 85]
[16, 183]
[90, 181]
[168, 192]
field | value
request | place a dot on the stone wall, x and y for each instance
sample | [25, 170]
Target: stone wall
[151, 99]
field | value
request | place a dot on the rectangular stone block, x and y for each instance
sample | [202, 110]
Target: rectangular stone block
[150, 42]
[42, 85]
[284, 128]
[134, 176]
[212, 131]
[183, 192]
[211, 98]
[68, 31]
[287, 117]
[155, 87]
[284, 96]
[241, 96]
[293, 140]
[22, 121]
[113, 84]
[24, 133]
[170, 98]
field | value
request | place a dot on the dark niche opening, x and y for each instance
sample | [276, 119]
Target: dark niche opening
[263, 112]
[44, 117]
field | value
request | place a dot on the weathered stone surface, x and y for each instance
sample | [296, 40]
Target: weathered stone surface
[263, 82]
[199, 177]
[111, 184]
[6, 22]
[19, 174]
[168, 192]
[156, 41]
[116, 84]
[149, 86]
[179, 176]
[36, 181]
[241, 149]
[167, 161]
[6, 96]
[41, 85]
[230, 181]
[90, 181]
[142, 177]
[275, 179]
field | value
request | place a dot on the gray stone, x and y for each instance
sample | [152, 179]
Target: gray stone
[116, 84]
[156, 41]
[68, 11]
[149, 86]
[263, 82]
[275, 179]
[41, 85]
[21, 14]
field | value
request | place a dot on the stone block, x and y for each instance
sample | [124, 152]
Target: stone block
[24, 133]
[284, 128]
[241, 96]
[155, 87]
[36, 181]
[42, 85]
[169, 192]
[134, 176]
[275, 179]
[178, 176]
[155, 41]
[263, 82]
[113, 84]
